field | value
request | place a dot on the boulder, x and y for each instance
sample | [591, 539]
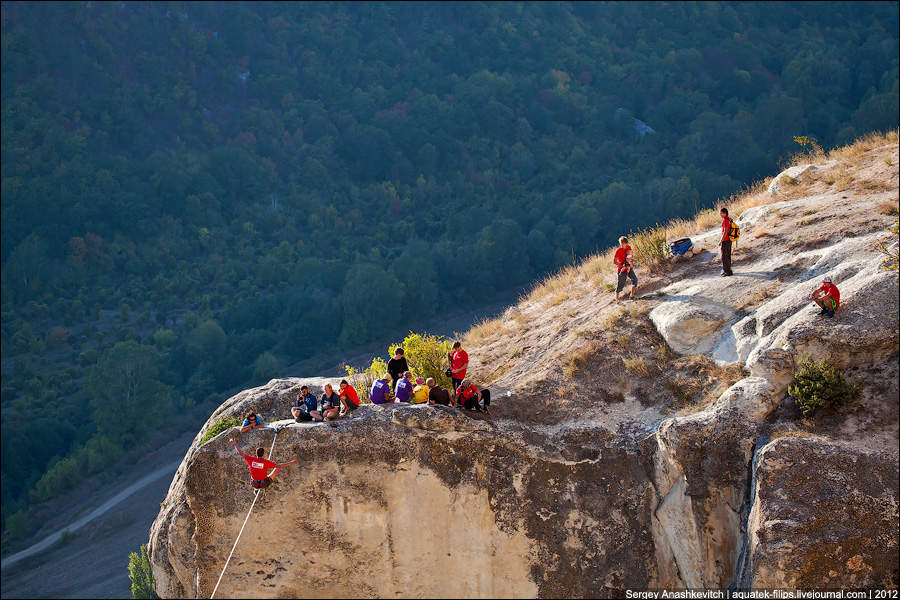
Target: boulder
[824, 516]
[691, 324]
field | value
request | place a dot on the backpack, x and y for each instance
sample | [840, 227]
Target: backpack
[734, 233]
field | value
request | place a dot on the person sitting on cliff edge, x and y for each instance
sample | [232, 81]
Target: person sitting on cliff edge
[251, 421]
[259, 467]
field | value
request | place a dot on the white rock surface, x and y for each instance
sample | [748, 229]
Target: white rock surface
[691, 324]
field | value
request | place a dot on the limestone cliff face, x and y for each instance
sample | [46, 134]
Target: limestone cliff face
[601, 483]
[410, 501]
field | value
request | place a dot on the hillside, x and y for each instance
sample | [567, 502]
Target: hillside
[643, 446]
[220, 192]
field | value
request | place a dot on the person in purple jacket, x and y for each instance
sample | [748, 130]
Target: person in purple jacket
[404, 388]
[381, 391]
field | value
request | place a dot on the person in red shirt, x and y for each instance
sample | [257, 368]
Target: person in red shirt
[349, 397]
[827, 296]
[459, 362]
[622, 260]
[725, 243]
[259, 467]
[470, 397]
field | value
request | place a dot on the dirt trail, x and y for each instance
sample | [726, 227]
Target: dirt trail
[101, 510]
[105, 522]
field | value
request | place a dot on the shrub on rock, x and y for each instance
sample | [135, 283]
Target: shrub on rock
[819, 384]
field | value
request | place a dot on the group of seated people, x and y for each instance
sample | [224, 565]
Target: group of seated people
[331, 405]
[466, 396]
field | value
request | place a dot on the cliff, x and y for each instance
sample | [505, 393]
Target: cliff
[647, 446]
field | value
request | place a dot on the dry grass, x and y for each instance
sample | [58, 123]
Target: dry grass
[707, 219]
[483, 330]
[558, 298]
[854, 151]
[680, 228]
[614, 318]
[553, 284]
[637, 365]
[577, 360]
[596, 268]
[888, 207]
[757, 296]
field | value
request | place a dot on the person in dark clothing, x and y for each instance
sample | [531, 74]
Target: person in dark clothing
[396, 368]
[307, 407]
[329, 403]
[725, 243]
[437, 394]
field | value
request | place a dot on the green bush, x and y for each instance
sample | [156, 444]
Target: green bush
[649, 246]
[140, 574]
[219, 426]
[819, 384]
[362, 380]
[426, 355]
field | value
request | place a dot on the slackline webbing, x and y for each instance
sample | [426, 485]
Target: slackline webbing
[242, 526]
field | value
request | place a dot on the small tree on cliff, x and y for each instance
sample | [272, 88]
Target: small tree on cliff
[140, 574]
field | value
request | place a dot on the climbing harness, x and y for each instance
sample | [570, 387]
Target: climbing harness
[255, 498]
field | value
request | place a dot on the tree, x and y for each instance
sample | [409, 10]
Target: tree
[127, 398]
[141, 574]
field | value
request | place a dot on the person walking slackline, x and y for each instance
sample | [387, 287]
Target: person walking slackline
[260, 478]
[725, 243]
[459, 363]
[624, 270]
[397, 366]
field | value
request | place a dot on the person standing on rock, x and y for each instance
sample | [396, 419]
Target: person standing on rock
[397, 366]
[624, 270]
[260, 478]
[725, 243]
[459, 362]
[827, 296]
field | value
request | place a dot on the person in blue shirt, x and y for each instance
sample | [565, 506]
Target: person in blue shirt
[404, 387]
[307, 407]
[251, 421]
[381, 391]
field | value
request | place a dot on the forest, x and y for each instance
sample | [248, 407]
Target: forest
[196, 196]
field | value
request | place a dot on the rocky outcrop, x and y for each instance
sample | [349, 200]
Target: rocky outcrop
[700, 476]
[591, 492]
[824, 517]
[691, 324]
[416, 500]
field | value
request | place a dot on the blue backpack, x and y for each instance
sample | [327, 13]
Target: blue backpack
[681, 246]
